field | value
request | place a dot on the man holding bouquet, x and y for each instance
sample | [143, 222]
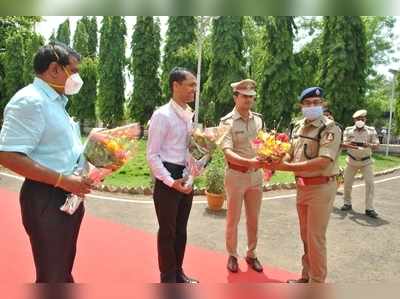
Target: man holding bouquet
[243, 177]
[169, 132]
[41, 142]
[314, 160]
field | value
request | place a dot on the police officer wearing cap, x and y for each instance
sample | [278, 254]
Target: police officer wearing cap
[360, 140]
[243, 176]
[314, 160]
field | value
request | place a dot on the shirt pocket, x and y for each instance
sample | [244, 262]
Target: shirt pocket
[239, 137]
[310, 149]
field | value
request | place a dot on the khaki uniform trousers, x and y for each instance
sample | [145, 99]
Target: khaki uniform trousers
[243, 187]
[314, 206]
[368, 174]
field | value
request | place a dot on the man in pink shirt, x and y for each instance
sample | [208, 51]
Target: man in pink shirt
[169, 131]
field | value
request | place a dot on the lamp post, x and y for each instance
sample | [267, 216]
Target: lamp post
[203, 22]
[394, 73]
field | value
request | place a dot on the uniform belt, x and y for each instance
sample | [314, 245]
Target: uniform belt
[240, 168]
[318, 180]
[355, 159]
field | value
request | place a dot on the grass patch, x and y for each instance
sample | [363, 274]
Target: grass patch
[137, 173]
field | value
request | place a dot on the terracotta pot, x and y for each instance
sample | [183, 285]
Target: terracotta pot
[215, 201]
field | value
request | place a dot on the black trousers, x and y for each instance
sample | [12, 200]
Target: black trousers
[173, 209]
[53, 234]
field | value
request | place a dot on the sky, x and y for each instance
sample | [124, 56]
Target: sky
[51, 24]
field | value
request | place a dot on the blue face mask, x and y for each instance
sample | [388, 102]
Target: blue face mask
[312, 113]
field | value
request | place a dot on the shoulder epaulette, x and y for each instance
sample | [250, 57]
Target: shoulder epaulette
[229, 115]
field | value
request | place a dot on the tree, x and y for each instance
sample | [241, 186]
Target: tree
[81, 38]
[180, 36]
[307, 63]
[227, 64]
[64, 33]
[111, 66]
[91, 28]
[254, 33]
[277, 94]
[32, 45]
[377, 101]
[83, 104]
[397, 106]
[12, 26]
[144, 67]
[52, 37]
[13, 63]
[344, 65]
[379, 41]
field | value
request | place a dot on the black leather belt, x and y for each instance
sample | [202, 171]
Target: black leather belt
[355, 159]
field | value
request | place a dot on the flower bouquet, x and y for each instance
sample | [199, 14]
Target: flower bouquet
[202, 145]
[272, 147]
[340, 177]
[105, 151]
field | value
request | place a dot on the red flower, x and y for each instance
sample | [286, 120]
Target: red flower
[282, 137]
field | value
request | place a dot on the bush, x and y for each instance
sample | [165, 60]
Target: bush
[215, 174]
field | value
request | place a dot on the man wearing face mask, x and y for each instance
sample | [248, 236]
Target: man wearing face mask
[360, 140]
[243, 176]
[314, 160]
[40, 142]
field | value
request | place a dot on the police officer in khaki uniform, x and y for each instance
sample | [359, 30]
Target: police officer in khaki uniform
[360, 140]
[243, 177]
[314, 160]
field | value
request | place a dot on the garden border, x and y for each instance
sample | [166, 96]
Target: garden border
[269, 187]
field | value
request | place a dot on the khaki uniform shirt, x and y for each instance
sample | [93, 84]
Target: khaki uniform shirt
[365, 135]
[241, 132]
[306, 145]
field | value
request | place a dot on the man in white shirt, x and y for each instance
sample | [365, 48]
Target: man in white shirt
[169, 132]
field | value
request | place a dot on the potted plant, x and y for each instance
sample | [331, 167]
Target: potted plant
[215, 182]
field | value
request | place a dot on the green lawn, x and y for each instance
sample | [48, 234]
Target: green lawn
[136, 173]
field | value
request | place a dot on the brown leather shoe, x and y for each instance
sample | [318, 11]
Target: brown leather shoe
[255, 264]
[232, 265]
[300, 280]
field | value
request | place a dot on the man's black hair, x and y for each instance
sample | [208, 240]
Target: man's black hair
[178, 74]
[53, 52]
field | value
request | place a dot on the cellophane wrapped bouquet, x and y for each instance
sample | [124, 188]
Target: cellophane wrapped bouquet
[202, 144]
[105, 151]
[340, 177]
[272, 147]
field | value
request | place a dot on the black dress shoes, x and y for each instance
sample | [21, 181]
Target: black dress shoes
[346, 207]
[232, 264]
[168, 277]
[371, 213]
[254, 263]
[300, 280]
[182, 278]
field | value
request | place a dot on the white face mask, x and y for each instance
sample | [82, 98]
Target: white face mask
[73, 84]
[312, 113]
[360, 124]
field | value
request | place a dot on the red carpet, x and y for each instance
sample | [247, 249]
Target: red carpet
[113, 253]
